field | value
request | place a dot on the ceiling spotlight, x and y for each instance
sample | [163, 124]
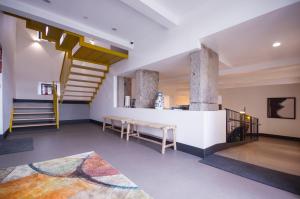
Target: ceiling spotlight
[85, 17]
[62, 38]
[114, 29]
[47, 30]
[276, 44]
[47, 1]
[92, 42]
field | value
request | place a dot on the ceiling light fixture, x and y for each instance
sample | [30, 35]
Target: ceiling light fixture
[114, 29]
[47, 1]
[85, 17]
[62, 38]
[92, 42]
[276, 44]
[47, 30]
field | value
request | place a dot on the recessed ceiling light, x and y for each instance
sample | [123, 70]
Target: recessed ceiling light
[47, 1]
[62, 38]
[85, 17]
[114, 29]
[92, 42]
[47, 30]
[276, 44]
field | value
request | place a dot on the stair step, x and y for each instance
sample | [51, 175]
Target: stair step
[81, 86]
[34, 119]
[87, 81]
[77, 91]
[34, 113]
[90, 68]
[86, 75]
[70, 95]
[33, 125]
[31, 107]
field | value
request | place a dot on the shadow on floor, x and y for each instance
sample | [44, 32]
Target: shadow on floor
[277, 179]
[16, 145]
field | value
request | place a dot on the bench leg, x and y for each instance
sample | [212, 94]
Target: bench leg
[122, 130]
[104, 124]
[137, 132]
[174, 139]
[128, 132]
[163, 145]
[112, 124]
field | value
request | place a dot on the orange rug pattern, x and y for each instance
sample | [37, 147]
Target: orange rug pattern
[84, 175]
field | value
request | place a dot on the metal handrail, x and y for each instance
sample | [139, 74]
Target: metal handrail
[248, 123]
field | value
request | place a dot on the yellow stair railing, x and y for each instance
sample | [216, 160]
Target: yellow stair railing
[11, 120]
[64, 74]
[55, 104]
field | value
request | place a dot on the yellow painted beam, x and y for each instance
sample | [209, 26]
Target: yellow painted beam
[101, 49]
[70, 40]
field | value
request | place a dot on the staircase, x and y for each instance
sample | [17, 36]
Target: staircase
[32, 115]
[83, 71]
[85, 64]
[80, 80]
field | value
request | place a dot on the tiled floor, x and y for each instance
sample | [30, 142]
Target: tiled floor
[173, 175]
[276, 154]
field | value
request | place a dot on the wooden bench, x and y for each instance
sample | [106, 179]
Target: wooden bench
[133, 124]
[112, 119]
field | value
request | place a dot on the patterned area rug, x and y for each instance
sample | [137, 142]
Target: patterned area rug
[84, 175]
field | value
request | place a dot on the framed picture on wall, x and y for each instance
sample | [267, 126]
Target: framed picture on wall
[282, 107]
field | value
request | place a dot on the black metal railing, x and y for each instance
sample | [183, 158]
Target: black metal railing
[240, 126]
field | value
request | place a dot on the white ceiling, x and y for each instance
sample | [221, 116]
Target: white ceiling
[183, 9]
[160, 47]
[251, 42]
[247, 51]
[102, 15]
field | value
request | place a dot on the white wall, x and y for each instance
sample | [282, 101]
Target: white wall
[74, 112]
[8, 43]
[255, 101]
[196, 128]
[35, 62]
[1, 106]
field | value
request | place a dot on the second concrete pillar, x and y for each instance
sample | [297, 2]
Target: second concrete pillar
[204, 80]
[146, 83]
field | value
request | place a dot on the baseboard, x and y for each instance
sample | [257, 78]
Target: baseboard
[49, 101]
[62, 122]
[96, 122]
[74, 121]
[5, 134]
[279, 137]
[191, 149]
[221, 146]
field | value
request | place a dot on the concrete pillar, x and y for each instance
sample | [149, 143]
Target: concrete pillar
[124, 89]
[146, 84]
[204, 80]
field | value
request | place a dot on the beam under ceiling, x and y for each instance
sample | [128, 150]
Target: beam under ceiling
[153, 11]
